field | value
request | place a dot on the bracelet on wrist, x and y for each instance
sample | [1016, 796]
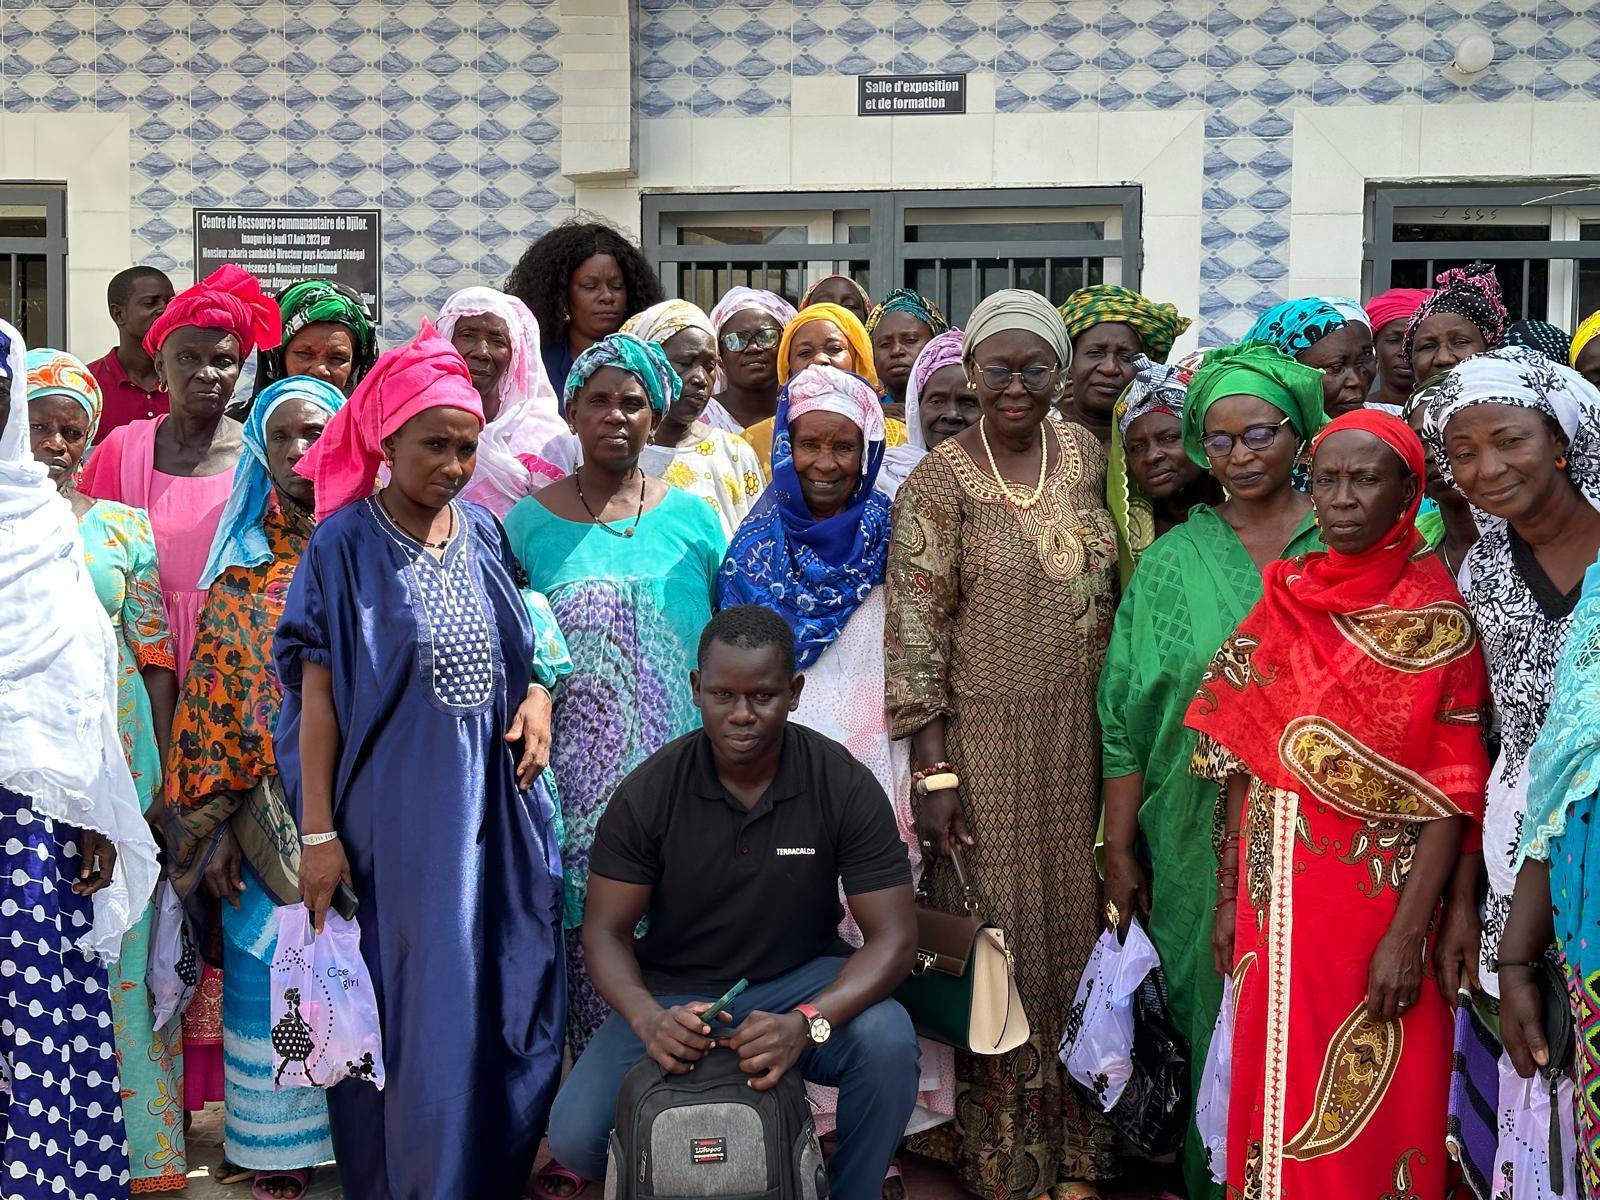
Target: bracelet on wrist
[932, 769]
[318, 839]
[938, 781]
[1533, 964]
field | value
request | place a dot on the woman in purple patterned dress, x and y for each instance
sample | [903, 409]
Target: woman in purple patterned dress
[630, 566]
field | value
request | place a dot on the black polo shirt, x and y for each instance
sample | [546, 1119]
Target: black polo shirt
[746, 893]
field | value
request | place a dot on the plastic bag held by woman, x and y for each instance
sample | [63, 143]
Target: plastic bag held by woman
[1211, 1106]
[1097, 1046]
[1537, 1158]
[324, 1013]
[173, 973]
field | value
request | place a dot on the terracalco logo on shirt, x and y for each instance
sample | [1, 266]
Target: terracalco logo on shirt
[704, 1151]
[795, 851]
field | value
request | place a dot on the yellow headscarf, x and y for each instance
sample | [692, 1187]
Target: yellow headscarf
[1587, 332]
[849, 324]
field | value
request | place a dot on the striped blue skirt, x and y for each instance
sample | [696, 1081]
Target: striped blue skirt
[264, 1128]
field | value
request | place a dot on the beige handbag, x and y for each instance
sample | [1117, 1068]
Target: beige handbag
[962, 990]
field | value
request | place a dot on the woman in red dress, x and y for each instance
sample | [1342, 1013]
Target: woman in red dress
[1344, 717]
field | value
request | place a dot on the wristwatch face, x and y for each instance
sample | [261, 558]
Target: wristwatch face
[820, 1030]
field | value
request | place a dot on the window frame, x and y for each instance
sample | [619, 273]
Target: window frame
[1381, 251]
[53, 246]
[886, 248]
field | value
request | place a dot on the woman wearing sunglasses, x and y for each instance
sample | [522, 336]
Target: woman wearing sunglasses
[749, 324]
[1247, 412]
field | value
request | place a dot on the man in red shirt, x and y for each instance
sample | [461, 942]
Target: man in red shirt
[127, 377]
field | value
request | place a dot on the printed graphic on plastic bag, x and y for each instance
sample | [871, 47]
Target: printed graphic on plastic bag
[1216, 1078]
[324, 1013]
[173, 971]
[1537, 1155]
[1097, 1045]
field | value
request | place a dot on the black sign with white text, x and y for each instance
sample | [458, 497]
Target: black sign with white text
[910, 95]
[283, 246]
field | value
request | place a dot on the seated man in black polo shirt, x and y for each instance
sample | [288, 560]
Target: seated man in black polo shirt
[734, 839]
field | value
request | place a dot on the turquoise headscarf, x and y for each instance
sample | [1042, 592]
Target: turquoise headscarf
[1252, 369]
[240, 540]
[1297, 325]
[645, 361]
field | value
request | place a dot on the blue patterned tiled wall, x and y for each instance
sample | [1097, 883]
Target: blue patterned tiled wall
[1247, 63]
[447, 113]
[444, 114]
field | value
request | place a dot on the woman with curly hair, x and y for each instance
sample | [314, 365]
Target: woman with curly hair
[582, 280]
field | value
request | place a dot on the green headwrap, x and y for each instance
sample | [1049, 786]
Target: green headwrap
[1252, 369]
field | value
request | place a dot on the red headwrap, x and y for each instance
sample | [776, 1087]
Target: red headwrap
[229, 298]
[427, 373]
[1397, 304]
[1335, 582]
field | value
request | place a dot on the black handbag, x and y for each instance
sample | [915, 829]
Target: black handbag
[1153, 1111]
[1561, 1039]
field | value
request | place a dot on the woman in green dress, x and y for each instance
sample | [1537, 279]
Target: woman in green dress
[1248, 411]
[63, 409]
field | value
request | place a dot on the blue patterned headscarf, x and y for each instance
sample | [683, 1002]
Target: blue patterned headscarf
[645, 361]
[814, 574]
[1297, 325]
[240, 541]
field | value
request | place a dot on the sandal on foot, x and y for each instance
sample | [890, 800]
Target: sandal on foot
[572, 1185]
[1077, 1189]
[227, 1173]
[264, 1179]
[894, 1184]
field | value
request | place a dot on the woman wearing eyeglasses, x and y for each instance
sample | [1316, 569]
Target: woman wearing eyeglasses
[1002, 569]
[1247, 412]
[749, 325]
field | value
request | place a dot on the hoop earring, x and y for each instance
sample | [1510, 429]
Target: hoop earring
[1561, 462]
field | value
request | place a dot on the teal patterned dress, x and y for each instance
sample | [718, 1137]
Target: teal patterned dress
[631, 610]
[121, 553]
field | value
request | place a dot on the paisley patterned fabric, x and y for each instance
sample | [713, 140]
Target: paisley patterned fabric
[1342, 696]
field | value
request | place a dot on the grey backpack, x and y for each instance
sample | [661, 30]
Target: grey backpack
[708, 1133]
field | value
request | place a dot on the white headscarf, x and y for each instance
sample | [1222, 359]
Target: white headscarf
[59, 742]
[529, 420]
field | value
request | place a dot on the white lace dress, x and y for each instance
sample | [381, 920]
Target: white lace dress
[843, 699]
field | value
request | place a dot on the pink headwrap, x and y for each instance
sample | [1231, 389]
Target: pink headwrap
[1397, 304]
[739, 298]
[821, 388]
[527, 444]
[405, 381]
[229, 298]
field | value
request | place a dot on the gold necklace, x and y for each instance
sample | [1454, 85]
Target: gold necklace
[1022, 501]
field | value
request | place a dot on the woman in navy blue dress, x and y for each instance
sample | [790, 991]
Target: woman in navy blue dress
[414, 729]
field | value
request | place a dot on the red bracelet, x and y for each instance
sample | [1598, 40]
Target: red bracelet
[936, 769]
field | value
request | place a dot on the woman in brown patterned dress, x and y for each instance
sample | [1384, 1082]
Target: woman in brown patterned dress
[1000, 589]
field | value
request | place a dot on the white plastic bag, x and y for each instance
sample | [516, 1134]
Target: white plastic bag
[1211, 1105]
[1522, 1159]
[324, 1013]
[1097, 1046]
[173, 971]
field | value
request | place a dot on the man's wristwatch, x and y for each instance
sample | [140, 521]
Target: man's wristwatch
[817, 1027]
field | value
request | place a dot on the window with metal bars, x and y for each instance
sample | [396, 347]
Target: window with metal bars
[33, 261]
[953, 246]
[1543, 241]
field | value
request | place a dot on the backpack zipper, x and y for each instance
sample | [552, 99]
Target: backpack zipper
[644, 1158]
